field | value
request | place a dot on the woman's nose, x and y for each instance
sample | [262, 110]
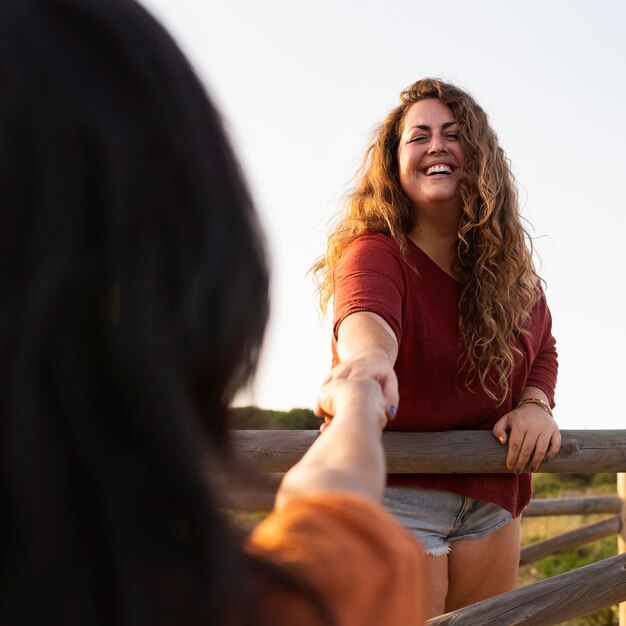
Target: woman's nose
[437, 146]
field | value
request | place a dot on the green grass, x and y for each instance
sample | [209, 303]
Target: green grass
[255, 418]
[538, 528]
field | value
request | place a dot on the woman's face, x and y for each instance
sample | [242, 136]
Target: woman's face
[430, 157]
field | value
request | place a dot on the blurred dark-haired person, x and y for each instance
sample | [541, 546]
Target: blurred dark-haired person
[134, 299]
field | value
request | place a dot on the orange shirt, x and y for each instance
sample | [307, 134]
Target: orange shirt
[362, 563]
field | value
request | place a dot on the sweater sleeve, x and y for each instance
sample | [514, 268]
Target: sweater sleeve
[369, 277]
[366, 569]
[543, 371]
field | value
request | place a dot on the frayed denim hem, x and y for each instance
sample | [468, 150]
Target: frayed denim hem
[441, 551]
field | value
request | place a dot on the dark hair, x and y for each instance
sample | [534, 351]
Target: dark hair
[134, 299]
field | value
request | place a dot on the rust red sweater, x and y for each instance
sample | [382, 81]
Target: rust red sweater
[422, 310]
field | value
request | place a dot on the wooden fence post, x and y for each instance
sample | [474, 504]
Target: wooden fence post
[621, 538]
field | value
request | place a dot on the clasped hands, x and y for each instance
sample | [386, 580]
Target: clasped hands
[372, 365]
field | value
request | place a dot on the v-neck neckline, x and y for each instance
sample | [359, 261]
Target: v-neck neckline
[431, 262]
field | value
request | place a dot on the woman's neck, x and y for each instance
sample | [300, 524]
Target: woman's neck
[438, 241]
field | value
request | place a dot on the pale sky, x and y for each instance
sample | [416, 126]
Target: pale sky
[302, 84]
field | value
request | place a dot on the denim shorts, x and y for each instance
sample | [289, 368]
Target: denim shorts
[437, 518]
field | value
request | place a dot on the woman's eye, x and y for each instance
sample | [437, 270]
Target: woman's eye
[454, 136]
[417, 139]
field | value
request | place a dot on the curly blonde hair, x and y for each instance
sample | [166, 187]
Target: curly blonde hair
[494, 252]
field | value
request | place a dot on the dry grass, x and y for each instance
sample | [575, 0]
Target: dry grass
[538, 528]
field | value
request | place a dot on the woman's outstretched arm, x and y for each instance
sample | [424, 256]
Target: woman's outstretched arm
[348, 455]
[367, 348]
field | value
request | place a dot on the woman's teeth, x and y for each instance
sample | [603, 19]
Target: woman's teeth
[438, 169]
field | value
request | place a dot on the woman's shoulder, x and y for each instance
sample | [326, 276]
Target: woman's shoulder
[348, 535]
[327, 524]
[374, 240]
[373, 246]
[372, 254]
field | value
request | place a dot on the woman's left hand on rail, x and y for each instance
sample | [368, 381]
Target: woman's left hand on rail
[532, 434]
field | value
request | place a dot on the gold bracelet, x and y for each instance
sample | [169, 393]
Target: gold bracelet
[542, 403]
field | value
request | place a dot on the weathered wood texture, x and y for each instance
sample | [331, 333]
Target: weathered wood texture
[454, 452]
[621, 539]
[248, 501]
[264, 501]
[621, 493]
[583, 505]
[550, 601]
[567, 541]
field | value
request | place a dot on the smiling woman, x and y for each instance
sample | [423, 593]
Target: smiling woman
[437, 299]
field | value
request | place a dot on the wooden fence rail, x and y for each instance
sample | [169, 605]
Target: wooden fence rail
[454, 452]
[570, 540]
[550, 601]
[542, 604]
[584, 505]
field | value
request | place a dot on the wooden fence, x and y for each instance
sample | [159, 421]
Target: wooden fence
[548, 602]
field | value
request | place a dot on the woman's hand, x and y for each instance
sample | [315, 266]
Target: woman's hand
[532, 434]
[358, 399]
[352, 391]
[372, 363]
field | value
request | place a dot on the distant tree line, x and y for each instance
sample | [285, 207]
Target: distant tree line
[255, 418]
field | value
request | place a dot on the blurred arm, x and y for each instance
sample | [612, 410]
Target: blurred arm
[348, 455]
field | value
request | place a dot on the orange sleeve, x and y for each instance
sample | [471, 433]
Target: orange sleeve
[363, 564]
